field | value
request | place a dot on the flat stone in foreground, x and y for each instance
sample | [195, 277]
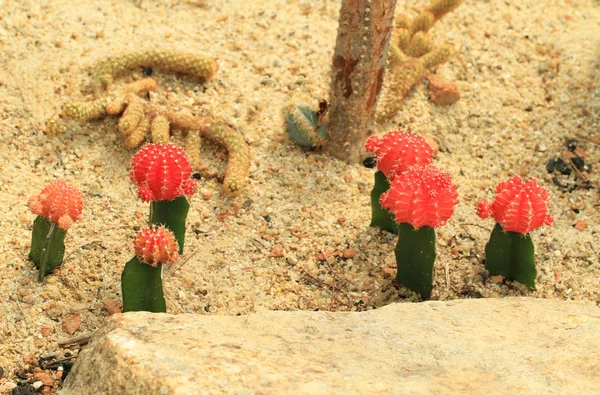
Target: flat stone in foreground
[483, 346]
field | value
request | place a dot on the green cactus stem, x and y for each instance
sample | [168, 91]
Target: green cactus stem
[302, 126]
[141, 285]
[510, 254]
[415, 255]
[381, 217]
[47, 246]
[171, 214]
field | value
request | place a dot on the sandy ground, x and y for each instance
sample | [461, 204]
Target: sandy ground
[528, 73]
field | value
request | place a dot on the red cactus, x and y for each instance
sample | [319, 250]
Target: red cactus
[398, 150]
[156, 245]
[518, 207]
[60, 202]
[161, 172]
[421, 196]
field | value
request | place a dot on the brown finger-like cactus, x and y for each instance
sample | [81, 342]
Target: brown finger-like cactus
[170, 61]
[193, 143]
[160, 129]
[138, 134]
[412, 54]
[132, 115]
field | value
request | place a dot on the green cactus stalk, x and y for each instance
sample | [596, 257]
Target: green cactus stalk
[511, 255]
[141, 285]
[415, 256]
[380, 217]
[58, 207]
[171, 214]
[47, 246]
[141, 280]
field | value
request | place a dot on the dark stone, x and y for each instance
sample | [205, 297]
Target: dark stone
[370, 162]
[562, 167]
[579, 163]
[26, 390]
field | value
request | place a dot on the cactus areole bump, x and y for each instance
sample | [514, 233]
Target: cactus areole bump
[518, 208]
[58, 206]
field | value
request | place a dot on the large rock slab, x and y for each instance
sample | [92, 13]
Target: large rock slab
[484, 346]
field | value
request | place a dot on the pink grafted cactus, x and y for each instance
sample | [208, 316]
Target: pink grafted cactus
[518, 207]
[161, 172]
[156, 245]
[421, 196]
[398, 150]
[60, 202]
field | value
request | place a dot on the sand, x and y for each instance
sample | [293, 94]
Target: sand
[529, 77]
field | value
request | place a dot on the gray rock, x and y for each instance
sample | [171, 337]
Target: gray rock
[484, 346]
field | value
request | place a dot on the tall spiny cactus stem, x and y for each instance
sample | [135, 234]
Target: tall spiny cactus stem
[162, 174]
[518, 208]
[194, 65]
[141, 280]
[359, 61]
[58, 207]
[421, 199]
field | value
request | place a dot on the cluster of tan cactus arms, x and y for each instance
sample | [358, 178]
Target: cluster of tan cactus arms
[140, 117]
[412, 54]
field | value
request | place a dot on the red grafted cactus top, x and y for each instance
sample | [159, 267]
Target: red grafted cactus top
[156, 245]
[398, 150]
[60, 202]
[161, 172]
[518, 207]
[421, 196]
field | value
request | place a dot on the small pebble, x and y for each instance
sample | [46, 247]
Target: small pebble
[112, 306]
[71, 324]
[45, 378]
[349, 253]
[442, 92]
